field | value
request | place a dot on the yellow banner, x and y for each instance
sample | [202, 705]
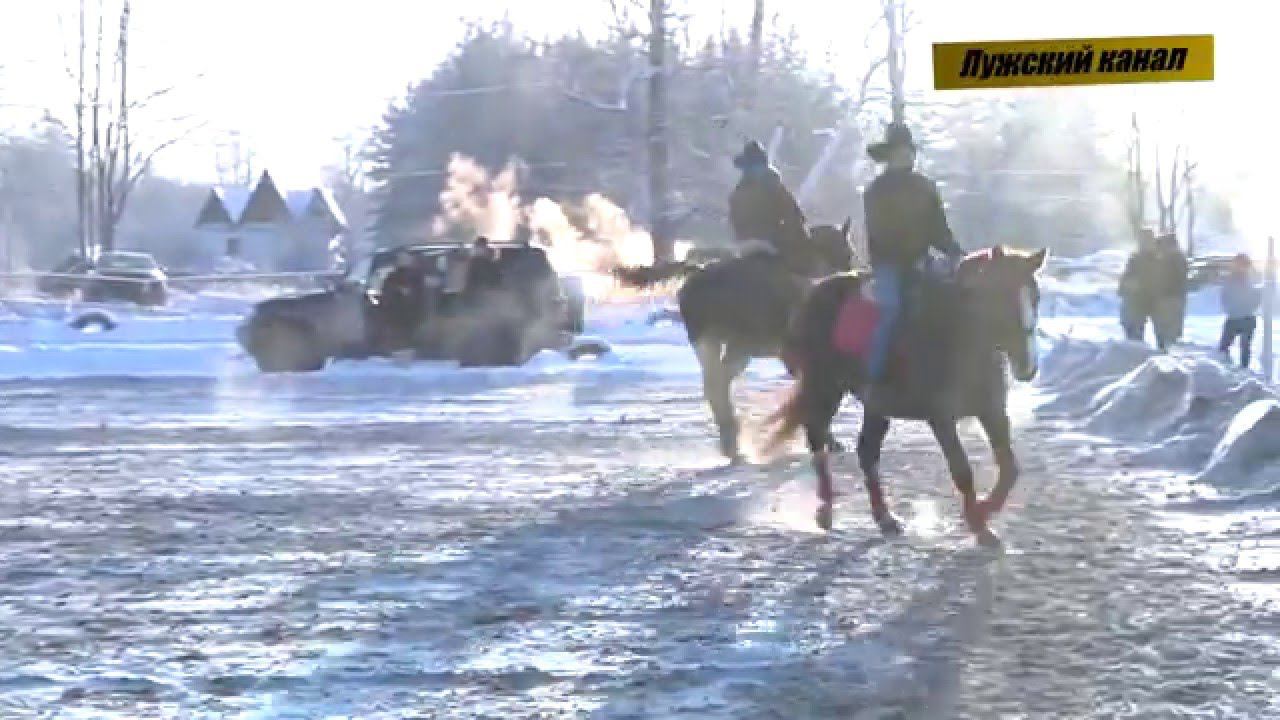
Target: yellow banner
[1081, 61]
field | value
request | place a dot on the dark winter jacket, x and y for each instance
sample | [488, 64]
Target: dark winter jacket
[761, 208]
[404, 292]
[1138, 281]
[483, 274]
[528, 272]
[1241, 295]
[1171, 274]
[904, 219]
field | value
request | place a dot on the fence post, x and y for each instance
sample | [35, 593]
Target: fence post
[1268, 309]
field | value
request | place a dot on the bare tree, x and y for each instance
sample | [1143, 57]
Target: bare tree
[82, 207]
[895, 21]
[109, 164]
[663, 243]
[1177, 194]
[348, 180]
[820, 167]
[1188, 185]
[1167, 199]
[235, 161]
[1136, 185]
[754, 51]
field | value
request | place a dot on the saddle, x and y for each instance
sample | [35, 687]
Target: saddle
[920, 340]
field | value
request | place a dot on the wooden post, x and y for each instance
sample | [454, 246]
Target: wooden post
[1268, 309]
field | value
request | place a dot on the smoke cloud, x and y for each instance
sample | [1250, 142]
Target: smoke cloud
[588, 237]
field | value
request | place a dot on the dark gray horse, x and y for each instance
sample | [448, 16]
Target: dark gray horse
[738, 309]
[959, 341]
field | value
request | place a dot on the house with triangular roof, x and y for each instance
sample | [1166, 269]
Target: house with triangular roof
[271, 230]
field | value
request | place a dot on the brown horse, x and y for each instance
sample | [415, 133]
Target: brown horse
[961, 336]
[738, 309]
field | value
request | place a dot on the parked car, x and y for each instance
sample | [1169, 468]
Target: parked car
[66, 277]
[129, 276]
[301, 333]
[120, 276]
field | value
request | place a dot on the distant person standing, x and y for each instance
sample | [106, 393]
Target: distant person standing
[1137, 287]
[1241, 296]
[404, 300]
[483, 272]
[1169, 307]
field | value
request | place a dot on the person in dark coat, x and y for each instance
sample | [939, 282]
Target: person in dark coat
[1169, 307]
[1241, 295]
[404, 299]
[528, 272]
[1138, 285]
[904, 220]
[761, 209]
[483, 273]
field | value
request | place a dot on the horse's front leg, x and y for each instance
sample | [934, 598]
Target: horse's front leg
[997, 428]
[870, 441]
[962, 476]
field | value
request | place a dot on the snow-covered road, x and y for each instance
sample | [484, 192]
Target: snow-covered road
[196, 540]
[570, 547]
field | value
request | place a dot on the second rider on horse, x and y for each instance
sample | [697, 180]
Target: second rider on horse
[904, 219]
[761, 209]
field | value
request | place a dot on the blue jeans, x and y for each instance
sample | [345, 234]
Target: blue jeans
[887, 291]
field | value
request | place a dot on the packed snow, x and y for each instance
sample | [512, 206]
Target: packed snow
[186, 537]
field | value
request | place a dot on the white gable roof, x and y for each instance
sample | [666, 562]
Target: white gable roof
[235, 200]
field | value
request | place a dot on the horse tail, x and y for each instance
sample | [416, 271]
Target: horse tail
[807, 352]
[644, 276]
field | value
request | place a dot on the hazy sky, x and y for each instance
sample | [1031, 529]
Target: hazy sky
[292, 75]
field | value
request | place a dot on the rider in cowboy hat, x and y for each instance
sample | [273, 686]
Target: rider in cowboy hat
[904, 218]
[760, 206]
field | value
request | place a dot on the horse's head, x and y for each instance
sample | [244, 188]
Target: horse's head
[832, 248]
[1003, 285]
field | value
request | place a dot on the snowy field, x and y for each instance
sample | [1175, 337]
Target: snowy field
[184, 537]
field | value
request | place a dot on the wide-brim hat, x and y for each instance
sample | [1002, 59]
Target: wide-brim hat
[752, 154]
[895, 136]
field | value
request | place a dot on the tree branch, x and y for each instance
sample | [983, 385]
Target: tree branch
[66, 53]
[639, 71]
[865, 86]
[142, 165]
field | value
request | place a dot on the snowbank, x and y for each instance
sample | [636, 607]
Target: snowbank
[1186, 410]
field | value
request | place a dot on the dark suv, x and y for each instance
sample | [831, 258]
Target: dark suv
[300, 333]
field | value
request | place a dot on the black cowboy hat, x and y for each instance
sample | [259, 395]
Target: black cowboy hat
[896, 135]
[752, 154]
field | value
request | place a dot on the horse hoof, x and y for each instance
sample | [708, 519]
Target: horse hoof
[976, 517]
[989, 540]
[824, 516]
[890, 525]
[988, 508]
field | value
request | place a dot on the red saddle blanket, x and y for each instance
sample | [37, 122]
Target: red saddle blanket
[855, 324]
